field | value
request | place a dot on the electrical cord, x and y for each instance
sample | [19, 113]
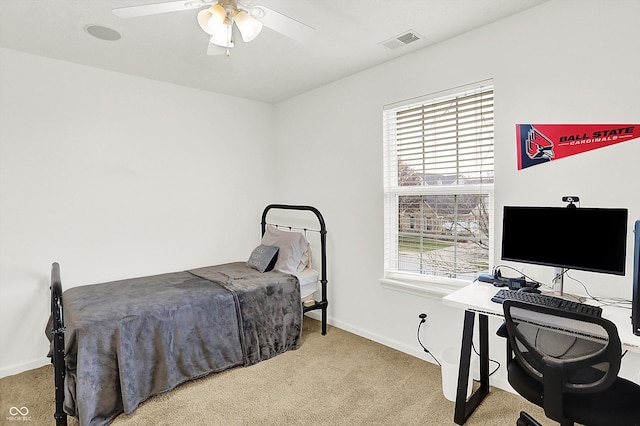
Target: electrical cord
[473, 346]
[608, 301]
[423, 319]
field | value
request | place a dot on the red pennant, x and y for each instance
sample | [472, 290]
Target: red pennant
[541, 143]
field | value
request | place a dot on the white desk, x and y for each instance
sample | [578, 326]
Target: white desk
[476, 298]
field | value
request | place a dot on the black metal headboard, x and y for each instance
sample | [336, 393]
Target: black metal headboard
[323, 303]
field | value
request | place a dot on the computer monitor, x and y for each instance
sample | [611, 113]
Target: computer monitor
[635, 304]
[589, 239]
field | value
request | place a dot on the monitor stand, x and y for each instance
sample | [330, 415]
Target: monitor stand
[558, 281]
[558, 286]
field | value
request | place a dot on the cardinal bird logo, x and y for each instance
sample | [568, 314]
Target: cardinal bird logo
[538, 146]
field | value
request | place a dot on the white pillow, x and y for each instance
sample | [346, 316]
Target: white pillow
[295, 250]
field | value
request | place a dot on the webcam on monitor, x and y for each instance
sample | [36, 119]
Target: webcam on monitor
[571, 199]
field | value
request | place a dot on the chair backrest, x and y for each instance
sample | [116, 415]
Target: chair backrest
[565, 351]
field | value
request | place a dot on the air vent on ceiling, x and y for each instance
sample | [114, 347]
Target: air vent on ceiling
[402, 39]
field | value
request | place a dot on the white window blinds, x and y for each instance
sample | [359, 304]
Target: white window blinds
[439, 183]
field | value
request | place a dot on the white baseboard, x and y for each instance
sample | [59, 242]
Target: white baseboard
[19, 368]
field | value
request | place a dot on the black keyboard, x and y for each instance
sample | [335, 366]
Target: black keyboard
[546, 300]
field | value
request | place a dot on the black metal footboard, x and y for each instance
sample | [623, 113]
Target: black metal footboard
[323, 302]
[57, 331]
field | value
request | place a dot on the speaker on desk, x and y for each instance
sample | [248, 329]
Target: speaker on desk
[635, 306]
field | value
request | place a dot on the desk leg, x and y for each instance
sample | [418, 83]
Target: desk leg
[465, 408]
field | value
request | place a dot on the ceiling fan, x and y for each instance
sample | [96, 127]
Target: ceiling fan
[222, 18]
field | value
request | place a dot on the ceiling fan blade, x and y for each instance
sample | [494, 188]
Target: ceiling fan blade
[156, 8]
[283, 24]
[215, 50]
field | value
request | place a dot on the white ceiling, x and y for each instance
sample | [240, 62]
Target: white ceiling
[171, 47]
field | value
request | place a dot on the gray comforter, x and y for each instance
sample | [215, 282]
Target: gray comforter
[128, 340]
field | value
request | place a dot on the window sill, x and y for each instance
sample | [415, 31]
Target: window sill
[425, 288]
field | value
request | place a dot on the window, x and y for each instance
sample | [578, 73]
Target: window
[439, 185]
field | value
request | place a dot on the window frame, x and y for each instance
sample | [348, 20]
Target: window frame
[409, 282]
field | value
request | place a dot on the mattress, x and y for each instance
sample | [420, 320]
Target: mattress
[308, 282]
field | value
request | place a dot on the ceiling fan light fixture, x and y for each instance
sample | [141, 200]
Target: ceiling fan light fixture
[222, 37]
[212, 19]
[248, 26]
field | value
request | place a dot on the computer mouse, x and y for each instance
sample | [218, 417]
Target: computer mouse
[529, 290]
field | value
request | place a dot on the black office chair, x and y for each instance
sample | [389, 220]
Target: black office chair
[568, 364]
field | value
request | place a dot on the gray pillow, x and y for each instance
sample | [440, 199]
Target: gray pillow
[263, 258]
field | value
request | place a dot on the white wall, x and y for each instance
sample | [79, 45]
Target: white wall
[115, 176]
[563, 62]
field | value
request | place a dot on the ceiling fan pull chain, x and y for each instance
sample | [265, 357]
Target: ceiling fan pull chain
[229, 38]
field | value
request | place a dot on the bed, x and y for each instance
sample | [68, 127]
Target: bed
[116, 344]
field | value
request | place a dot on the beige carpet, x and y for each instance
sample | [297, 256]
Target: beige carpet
[337, 379]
